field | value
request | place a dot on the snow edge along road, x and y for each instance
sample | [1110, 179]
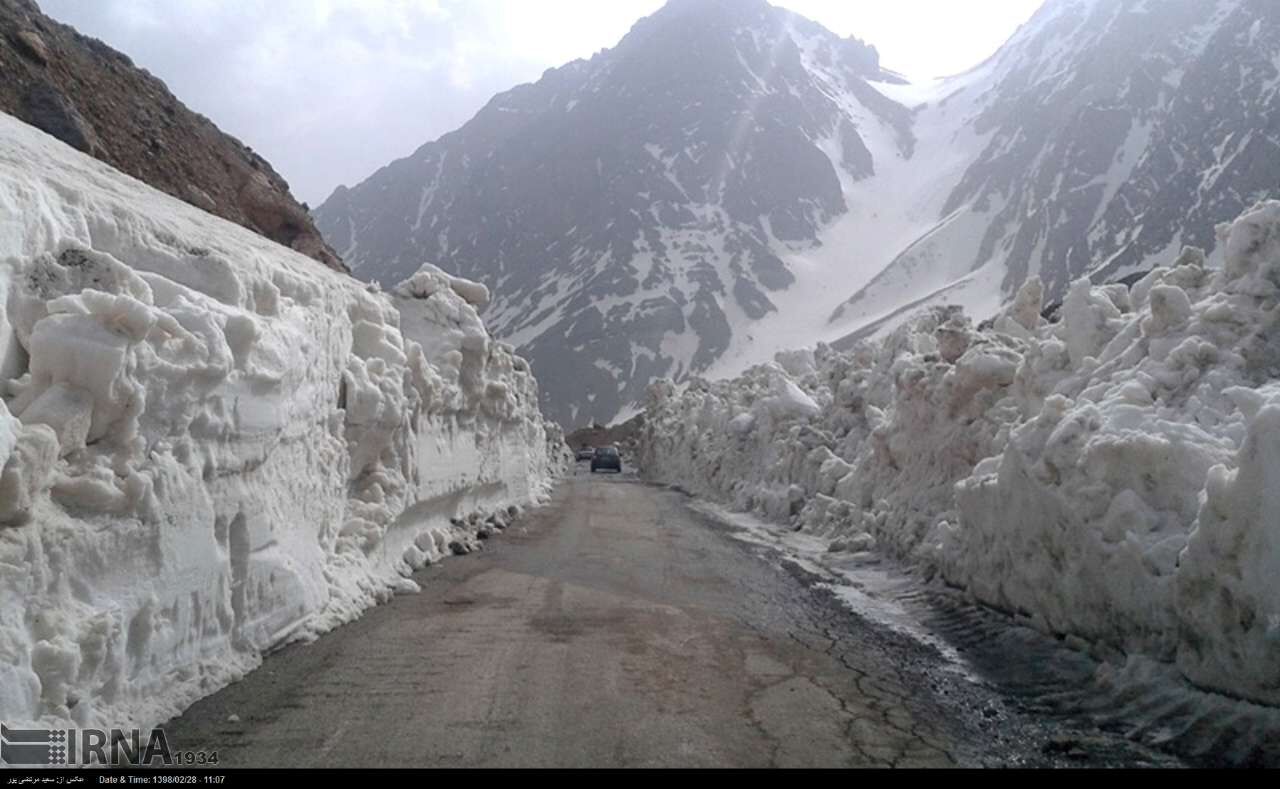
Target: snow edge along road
[209, 444]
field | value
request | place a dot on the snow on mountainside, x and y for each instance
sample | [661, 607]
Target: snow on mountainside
[209, 445]
[732, 180]
[1115, 131]
[1112, 477]
[634, 213]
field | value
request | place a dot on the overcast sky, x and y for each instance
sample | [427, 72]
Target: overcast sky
[330, 90]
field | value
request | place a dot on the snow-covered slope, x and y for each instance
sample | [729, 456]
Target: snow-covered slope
[732, 180]
[1114, 132]
[209, 445]
[1112, 476]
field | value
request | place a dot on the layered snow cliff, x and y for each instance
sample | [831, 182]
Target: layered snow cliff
[209, 445]
[1113, 476]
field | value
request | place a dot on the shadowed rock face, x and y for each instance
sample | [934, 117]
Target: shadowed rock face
[625, 210]
[95, 99]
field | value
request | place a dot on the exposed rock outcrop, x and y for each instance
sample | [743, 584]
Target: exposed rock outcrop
[96, 100]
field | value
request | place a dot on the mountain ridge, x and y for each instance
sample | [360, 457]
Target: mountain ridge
[696, 198]
[661, 237]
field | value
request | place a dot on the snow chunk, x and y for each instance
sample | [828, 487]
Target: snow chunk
[25, 477]
[429, 280]
[68, 410]
[787, 400]
[9, 430]
[1228, 595]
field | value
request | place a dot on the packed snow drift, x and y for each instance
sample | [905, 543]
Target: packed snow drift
[1112, 476]
[211, 445]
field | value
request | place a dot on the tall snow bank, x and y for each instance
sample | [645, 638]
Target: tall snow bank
[1113, 476]
[210, 445]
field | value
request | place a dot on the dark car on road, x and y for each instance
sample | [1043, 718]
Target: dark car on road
[606, 458]
[586, 453]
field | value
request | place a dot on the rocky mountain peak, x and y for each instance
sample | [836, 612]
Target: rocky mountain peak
[627, 211]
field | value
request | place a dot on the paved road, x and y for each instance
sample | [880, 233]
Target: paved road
[614, 627]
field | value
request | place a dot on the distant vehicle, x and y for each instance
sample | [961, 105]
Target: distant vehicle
[586, 453]
[606, 458]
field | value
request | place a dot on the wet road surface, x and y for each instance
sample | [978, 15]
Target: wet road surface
[616, 627]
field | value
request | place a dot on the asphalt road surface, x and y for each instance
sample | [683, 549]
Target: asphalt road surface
[618, 628]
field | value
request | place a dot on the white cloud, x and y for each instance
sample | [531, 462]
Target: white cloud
[923, 38]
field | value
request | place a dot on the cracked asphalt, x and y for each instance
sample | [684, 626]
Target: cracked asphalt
[618, 628]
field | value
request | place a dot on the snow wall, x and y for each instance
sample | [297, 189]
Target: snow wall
[1113, 476]
[211, 445]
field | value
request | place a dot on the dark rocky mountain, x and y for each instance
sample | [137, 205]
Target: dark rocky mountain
[95, 99]
[719, 184]
[626, 210]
